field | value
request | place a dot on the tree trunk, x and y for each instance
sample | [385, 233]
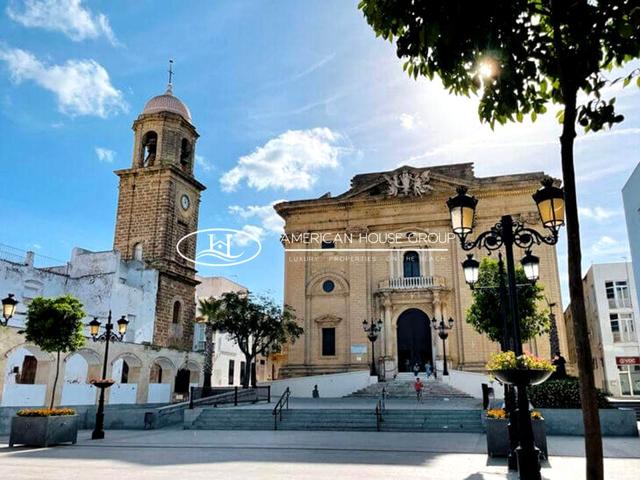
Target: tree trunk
[207, 366]
[247, 370]
[588, 394]
[55, 380]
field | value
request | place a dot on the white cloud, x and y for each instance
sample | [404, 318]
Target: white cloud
[408, 121]
[204, 164]
[598, 214]
[69, 17]
[289, 161]
[247, 234]
[82, 87]
[607, 246]
[105, 155]
[269, 219]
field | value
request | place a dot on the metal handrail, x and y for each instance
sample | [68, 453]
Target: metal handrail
[379, 415]
[383, 399]
[277, 410]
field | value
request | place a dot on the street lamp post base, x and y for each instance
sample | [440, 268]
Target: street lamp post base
[97, 435]
[528, 464]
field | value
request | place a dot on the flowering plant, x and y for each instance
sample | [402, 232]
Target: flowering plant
[509, 361]
[535, 415]
[498, 413]
[46, 412]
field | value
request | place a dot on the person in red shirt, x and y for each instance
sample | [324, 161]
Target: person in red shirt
[419, 386]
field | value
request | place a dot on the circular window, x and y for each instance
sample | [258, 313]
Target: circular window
[328, 286]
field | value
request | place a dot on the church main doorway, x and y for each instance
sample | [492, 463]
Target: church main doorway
[414, 340]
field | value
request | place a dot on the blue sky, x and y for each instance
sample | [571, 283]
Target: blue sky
[291, 99]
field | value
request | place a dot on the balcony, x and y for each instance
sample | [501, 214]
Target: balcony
[411, 283]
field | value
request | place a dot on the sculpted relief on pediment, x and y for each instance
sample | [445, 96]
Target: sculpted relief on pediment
[407, 183]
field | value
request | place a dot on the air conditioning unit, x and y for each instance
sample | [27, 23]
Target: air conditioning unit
[200, 346]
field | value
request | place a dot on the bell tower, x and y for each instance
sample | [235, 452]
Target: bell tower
[158, 204]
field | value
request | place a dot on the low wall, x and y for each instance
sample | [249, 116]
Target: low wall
[116, 417]
[471, 383]
[613, 422]
[333, 385]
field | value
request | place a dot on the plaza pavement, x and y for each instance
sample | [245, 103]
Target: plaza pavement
[241, 455]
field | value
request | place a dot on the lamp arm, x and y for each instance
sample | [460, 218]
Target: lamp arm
[491, 239]
[525, 237]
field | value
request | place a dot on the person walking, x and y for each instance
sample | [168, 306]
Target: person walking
[427, 368]
[418, 386]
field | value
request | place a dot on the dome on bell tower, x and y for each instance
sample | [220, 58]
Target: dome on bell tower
[167, 103]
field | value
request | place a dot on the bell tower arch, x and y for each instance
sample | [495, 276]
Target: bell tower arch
[158, 204]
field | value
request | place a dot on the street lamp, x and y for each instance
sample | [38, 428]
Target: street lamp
[8, 309]
[471, 268]
[531, 265]
[372, 330]
[509, 233]
[107, 336]
[443, 332]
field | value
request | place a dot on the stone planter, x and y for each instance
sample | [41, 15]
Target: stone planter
[498, 436]
[43, 431]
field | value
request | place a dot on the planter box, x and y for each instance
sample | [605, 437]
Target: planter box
[614, 422]
[498, 437]
[43, 431]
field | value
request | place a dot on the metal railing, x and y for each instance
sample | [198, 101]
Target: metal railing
[219, 395]
[379, 415]
[409, 283]
[283, 402]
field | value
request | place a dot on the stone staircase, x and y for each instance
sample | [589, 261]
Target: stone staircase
[402, 387]
[400, 420]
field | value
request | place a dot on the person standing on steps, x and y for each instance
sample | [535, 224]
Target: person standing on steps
[427, 368]
[418, 386]
[416, 369]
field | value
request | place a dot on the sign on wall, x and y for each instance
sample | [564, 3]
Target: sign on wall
[628, 360]
[358, 348]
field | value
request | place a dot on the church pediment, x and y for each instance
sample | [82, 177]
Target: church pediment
[328, 320]
[405, 182]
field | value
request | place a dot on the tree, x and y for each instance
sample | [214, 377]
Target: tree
[486, 318]
[211, 309]
[519, 56]
[55, 325]
[256, 324]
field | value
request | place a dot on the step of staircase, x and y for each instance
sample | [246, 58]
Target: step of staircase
[399, 388]
[341, 420]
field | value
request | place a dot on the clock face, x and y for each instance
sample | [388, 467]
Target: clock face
[185, 202]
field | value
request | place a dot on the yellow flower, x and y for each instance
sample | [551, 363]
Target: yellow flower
[45, 412]
[498, 413]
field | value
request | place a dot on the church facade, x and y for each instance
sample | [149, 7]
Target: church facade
[384, 251]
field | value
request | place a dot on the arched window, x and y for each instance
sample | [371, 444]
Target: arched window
[137, 251]
[185, 155]
[125, 372]
[411, 264]
[177, 307]
[149, 145]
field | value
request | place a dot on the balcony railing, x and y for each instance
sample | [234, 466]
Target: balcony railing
[410, 283]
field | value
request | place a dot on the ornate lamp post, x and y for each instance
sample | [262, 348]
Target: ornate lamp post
[372, 330]
[443, 332]
[507, 233]
[8, 309]
[107, 336]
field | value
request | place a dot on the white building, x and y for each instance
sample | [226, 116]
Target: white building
[612, 315]
[100, 280]
[228, 360]
[631, 200]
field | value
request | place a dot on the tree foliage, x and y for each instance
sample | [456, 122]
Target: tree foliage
[256, 324]
[55, 324]
[520, 43]
[484, 314]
